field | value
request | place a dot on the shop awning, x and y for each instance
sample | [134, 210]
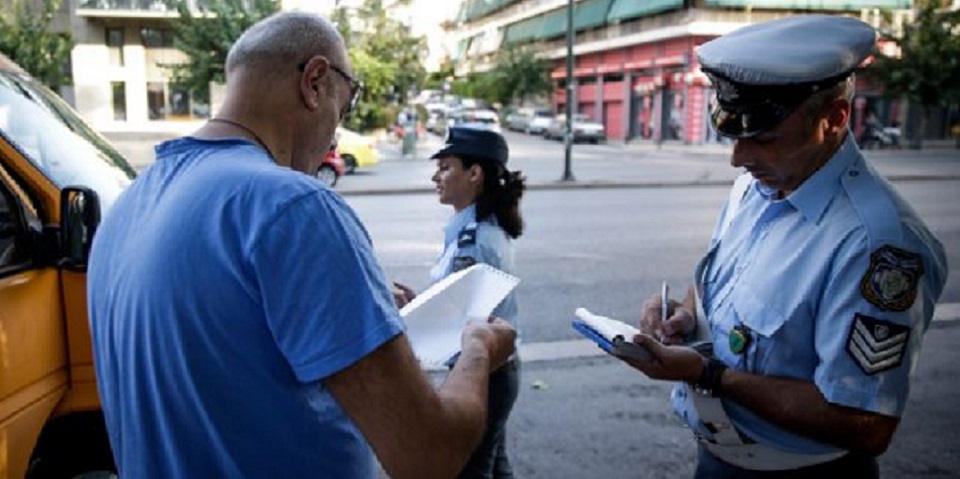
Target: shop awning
[591, 14]
[523, 30]
[462, 47]
[627, 9]
[847, 5]
[554, 24]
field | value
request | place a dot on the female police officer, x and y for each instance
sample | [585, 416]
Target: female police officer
[472, 178]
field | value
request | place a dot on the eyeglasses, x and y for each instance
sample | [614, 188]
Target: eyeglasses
[356, 89]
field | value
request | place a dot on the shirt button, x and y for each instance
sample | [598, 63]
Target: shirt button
[854, 173]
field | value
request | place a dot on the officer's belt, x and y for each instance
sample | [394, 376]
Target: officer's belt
[727, 443]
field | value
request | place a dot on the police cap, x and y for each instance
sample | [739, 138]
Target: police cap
[763, 72]
[475, 143]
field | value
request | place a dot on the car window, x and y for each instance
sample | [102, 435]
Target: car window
[11, 252]
[57, 142]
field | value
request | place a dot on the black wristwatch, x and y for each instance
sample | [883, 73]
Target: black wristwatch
[709, 380]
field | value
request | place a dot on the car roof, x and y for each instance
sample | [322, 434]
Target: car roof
[8, 64]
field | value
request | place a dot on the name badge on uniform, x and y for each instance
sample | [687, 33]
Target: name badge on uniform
[891, 281]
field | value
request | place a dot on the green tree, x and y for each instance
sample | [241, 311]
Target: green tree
[520, 75]
[385, 55]
[206, 36]
[26, 38]
[926, 68]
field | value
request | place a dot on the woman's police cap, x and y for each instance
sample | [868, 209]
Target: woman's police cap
[763, 72]
[475, 143]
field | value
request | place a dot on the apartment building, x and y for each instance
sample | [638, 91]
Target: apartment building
[119, 82]
[635, 67]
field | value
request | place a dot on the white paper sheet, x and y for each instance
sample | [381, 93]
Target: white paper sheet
[435, 318]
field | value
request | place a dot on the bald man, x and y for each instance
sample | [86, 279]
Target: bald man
[241, 324]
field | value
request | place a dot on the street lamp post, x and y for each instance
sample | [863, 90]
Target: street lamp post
[568, 137]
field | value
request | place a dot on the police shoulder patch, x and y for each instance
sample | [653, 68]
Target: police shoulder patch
[876, 345]
[891, 280]
[467, 236]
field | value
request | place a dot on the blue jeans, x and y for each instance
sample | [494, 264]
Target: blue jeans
[490, 460]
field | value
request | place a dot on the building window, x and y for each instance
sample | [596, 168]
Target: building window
[156, 37]
[156, 100]
[119, 90]
[115, 46]
[168, 102]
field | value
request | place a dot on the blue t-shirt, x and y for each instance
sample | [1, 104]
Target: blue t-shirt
[222, 290]
[834, 285]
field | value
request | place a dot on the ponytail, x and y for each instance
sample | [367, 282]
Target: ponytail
[502, 190]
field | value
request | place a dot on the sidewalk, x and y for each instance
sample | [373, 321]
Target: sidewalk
[609, 165]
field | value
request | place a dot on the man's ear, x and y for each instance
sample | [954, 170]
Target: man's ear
[838, 114]
[311, 80]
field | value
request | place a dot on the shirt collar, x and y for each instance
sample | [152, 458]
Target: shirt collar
[458, 221]
[814, 194]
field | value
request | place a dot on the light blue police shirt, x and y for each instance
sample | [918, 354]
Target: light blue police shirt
[836, 284]
[467, 241]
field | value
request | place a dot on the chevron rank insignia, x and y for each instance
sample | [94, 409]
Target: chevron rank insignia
[891, 281]
[876, 345]
[463, 262]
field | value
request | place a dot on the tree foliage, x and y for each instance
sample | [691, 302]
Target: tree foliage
[26, 37]
[926, 67]
[206, 36]
[385, 55]
[517, 76]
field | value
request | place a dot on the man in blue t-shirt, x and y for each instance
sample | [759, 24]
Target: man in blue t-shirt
[241, 324]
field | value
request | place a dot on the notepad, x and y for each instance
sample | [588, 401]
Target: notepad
[613, 336]
[435, 318]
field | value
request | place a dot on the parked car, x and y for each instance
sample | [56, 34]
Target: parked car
[518, 120]
[356, 150]
[538, 122]
[331, 168]
[584, 129]
[57, 177]
[484, 119]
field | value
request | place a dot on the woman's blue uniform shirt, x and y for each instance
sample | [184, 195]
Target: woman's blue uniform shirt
[836, 283]
[467, 241]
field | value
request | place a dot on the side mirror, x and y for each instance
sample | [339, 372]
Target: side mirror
[79, 218]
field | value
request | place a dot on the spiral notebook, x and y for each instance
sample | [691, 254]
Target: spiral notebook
[436, 317]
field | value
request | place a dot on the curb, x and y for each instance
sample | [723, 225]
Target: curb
[600, 184]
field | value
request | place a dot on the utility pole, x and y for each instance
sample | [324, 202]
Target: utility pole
[568, 137]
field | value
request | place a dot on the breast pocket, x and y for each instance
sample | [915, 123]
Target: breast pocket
[763, 320]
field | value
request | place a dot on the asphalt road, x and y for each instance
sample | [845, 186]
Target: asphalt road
[583, 415]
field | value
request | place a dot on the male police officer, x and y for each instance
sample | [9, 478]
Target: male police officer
[819, 281]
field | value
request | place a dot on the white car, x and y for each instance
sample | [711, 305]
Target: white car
[538, 122]
[483, 119]
[584, 129]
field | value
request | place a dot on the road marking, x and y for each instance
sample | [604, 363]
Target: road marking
[584, 348]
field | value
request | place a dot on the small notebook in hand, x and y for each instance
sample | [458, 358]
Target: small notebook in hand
[436, 317]
[613, 336]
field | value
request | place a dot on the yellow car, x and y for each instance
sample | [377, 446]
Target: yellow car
[356, 149]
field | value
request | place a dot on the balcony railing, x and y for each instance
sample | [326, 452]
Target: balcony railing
[135, 7]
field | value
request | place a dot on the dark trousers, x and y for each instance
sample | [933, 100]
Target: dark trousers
[489, 460]
[850, 466]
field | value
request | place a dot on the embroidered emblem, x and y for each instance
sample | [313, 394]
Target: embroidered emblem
[891, 281]
[467, 237]
[876, 345]
[463, 262]
[727, 90]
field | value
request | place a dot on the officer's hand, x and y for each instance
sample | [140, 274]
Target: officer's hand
[497, 335]
[402, 294]
[671, 363]
[679, 324]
